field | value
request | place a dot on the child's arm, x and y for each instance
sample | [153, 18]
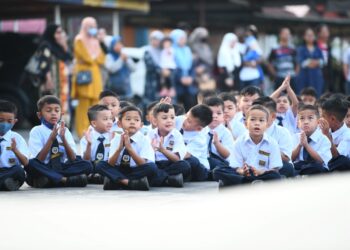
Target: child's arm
[168, 154]
[69, 151]
[296, 152]
[87, 153]
[281, 88]
[133, 154]
[293, 97]
[222, 150]
[114, 157]
[324, 126]
[47, 147]
[21, 157]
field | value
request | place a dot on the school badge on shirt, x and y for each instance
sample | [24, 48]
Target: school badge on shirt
[126, 158]
[99, 156]
[54, 150]
[171, 145]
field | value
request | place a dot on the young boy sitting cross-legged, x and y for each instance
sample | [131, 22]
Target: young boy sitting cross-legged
[131, 158]
[53, 149]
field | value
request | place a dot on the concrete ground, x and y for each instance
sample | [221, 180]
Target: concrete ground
[310, 213]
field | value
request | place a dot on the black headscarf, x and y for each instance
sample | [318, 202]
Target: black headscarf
[48, 39]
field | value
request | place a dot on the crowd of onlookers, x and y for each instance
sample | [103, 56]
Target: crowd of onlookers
[181, 64]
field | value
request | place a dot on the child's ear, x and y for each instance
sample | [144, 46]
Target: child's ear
[38, 114]
[93, 124]
[273, 116]
[15, 121]
[199, 128]
[119, 123]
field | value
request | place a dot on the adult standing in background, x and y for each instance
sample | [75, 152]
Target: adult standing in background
[152, 62]
[323, 43]
[229, 61]
[119, 67]
[184, 75]
[89, 57]
[310, 62]
[282, 60]
[202, 53]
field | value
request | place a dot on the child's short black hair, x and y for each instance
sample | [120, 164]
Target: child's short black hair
[335, 106]
[304, 107]
[151, 105]
[166, 39]
[179, 109]
[106, 93]
[226, 96]
[127, 109]
[214, 102]
[207, 93]
[8, 107]
[93, 111]
[47, 99]
[251, 90]
[162, 107]
[203, 113]
[124, 104]
[259, 107]
[267, 102]
[309, 91]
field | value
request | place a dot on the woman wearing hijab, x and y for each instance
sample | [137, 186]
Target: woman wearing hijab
[184, 75]
[119, 67]
[152, 61]
[89, 58]
[229, 61]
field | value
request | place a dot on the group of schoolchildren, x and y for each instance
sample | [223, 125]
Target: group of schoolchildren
[247, 138]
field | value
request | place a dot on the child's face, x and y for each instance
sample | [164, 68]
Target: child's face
[307, 121]
[347, 118]
[112, 103]
[229, 110]
[50, 112]
[103, 122]
[165, 121]
[118, 47]
[191, 123]
[131, 122]
[166, 44]
[256, 123]
[245, 102]
[308, 100]
[282, 104]
[218, 116]
[8, 118]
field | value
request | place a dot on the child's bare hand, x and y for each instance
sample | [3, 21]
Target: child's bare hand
[215, 138]
[121, 143]
[166, 100]
[286, 82]
[303, 139]
[87, 135]
[246, 170]
[54, 133]
[62, 130]
[257, 172]
[127, 143]
[13, 144]
[324, 126]
[155, 144]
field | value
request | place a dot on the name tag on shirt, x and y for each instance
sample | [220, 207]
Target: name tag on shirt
[264, 153]
[107, 145]
[12, 161]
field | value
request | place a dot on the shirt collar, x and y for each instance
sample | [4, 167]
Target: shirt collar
[340, 131]
[96, 135]
[171, 133]
[315, 136]
[137, 136]
[246, 138]
[8, 136]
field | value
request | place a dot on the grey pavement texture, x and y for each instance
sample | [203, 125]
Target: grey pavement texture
[311, 213]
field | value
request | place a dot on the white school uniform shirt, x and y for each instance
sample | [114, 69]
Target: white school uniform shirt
[94, 144]
[196, 144]
[115, 128]
[38, 137]
[237, 128]
[225, 137]
[179, 120]
[239, 117]
[341, 138]
[289, 121]
[172, 142]
[282, 137]
[265, 155]
[141, 144]
[8, 158]
[320, 143]
[146, 129]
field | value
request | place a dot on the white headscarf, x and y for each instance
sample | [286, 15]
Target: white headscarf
[229, 57]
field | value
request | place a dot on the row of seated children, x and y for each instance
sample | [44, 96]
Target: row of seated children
[210, 142]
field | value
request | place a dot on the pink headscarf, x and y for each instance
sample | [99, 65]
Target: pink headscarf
[91, 44]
